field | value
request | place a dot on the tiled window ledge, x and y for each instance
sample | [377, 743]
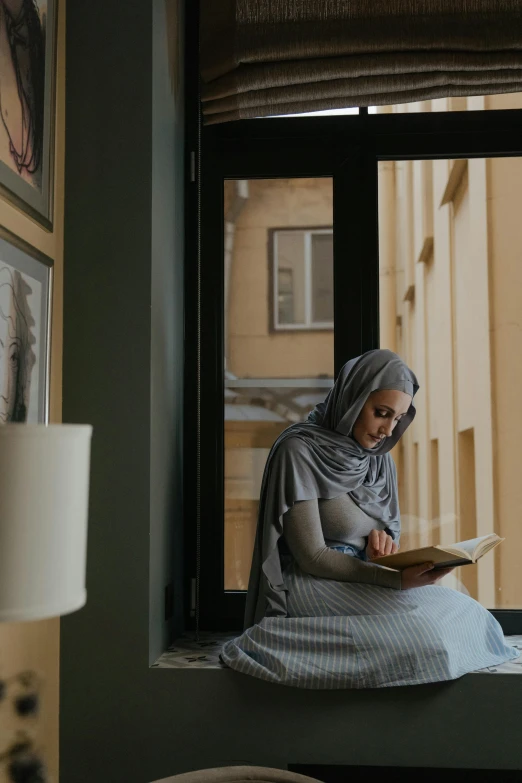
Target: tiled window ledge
[186, 653]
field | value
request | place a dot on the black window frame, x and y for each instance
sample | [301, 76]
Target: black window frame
[348, 149]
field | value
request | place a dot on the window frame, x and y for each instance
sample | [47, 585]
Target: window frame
[309, 325]
[348, 149]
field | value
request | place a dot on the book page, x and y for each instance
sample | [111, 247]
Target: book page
[470, 546]
[411, 557]
[441, 556]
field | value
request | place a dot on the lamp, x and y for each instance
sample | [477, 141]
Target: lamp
[44, 489]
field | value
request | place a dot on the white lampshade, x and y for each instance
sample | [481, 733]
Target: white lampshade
[44, 491]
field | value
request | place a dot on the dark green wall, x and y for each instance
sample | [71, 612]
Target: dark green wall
[122, 722]
[166, 360]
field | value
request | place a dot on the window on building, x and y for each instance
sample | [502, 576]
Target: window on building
[303, 278]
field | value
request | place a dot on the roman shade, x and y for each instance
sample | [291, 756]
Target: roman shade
[266, 57]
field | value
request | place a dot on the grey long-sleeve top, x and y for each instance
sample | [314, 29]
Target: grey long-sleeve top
[312, 527]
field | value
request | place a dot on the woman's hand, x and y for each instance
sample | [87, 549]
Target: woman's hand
[379, 544]
[422, 576]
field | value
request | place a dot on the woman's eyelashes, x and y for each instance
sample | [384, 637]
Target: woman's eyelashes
[380, 414]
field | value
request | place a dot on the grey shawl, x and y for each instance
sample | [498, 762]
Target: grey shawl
[319, 458]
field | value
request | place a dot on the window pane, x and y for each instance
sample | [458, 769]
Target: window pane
[322, 278]
[285, 299]
[322, 113]
[512, 100]
[273, 376]
[450, 300]
[289, 248]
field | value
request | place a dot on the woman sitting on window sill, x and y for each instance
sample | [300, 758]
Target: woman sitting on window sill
[319, 613]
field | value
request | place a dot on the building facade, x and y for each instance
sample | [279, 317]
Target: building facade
[451, 293]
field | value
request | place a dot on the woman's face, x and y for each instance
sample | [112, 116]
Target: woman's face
[380, 415]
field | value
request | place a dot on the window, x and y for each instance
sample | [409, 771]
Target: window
[303, 278]
[450, 230]
[472, 103]
[272, 377]
[299, 295]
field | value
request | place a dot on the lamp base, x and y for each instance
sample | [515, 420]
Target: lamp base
[42, 612]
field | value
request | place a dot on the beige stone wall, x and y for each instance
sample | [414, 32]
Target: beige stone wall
[505, 243]
[36, 645]
[253, 349]
[455, 257]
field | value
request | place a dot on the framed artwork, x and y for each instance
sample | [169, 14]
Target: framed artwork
[27, 68]
[25, 311]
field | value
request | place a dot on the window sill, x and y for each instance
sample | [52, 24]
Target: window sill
[186, 653]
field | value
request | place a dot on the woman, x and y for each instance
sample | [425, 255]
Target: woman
[319, 613]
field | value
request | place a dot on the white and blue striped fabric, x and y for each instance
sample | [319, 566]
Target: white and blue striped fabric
[347, 635]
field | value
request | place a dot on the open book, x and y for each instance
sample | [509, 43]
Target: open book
[463, 553]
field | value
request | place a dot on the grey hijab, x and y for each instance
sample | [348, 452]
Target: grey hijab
[319, 458]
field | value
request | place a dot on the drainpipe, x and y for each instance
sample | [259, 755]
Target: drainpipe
[387, 267]
[234, 210]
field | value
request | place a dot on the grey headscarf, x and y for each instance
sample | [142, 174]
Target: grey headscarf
[319, 458]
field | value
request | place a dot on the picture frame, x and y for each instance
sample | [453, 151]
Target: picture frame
[25, 331]
[27, 105]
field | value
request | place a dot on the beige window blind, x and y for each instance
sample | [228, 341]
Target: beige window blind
[267, 57]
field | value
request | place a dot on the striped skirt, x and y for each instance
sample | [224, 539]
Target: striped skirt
[347, 635]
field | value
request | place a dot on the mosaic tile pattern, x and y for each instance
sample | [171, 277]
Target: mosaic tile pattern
[186, 653]
[511, 667]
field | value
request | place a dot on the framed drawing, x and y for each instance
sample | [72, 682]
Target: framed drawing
[25, 311]
[27, 67]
